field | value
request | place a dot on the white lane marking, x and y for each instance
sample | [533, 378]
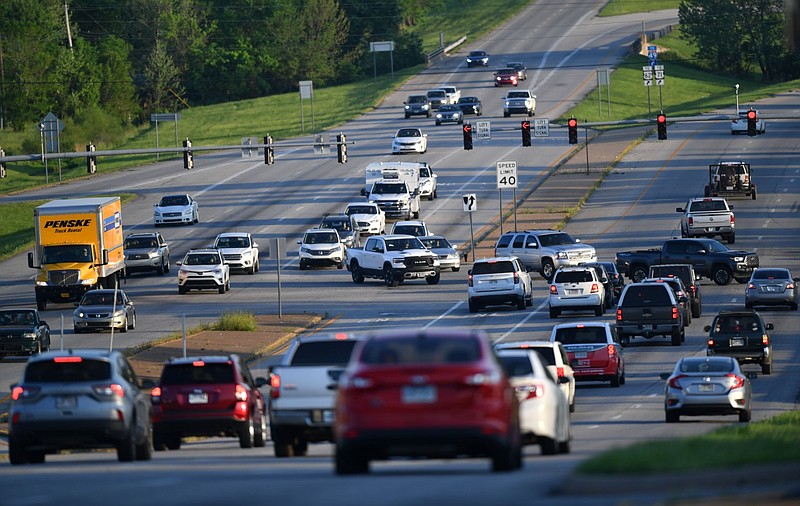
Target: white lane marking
[524, 320]
[443, 315]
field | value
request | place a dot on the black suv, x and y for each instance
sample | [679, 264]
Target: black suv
[208, 396]
[690, 280]
[741, 334]
[78, 399]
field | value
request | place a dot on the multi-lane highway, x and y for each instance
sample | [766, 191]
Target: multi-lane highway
[635, 207]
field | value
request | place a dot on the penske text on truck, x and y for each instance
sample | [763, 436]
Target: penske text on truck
[78, 247]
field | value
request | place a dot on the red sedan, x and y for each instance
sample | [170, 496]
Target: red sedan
[506, 77]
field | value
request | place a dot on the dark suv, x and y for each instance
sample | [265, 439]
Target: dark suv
[690, 280]
[741, 334]
[78, 399]
[208, 396]
[417, 105]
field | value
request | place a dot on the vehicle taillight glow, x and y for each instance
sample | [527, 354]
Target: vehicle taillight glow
[109, 390]
[751, 286]
[341, 336]
[516, 278]
[531, 391]
[733, 219]
[560, 372]
[619, 315]
[469, 279]
[675, 313]
[67, 360]
[612, 350]
[738, 381]
[198, 363]
[691, 221]
[673, 382]
[595, 288]
[765, 340]
[790, 286]
[155, 394]
[554, 289]
[275, 386]
[240, 393]
[16, 393]
[710, 343]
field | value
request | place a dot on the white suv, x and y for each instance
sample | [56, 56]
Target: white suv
[204, 269]
[321, 247]
[576, 288]
[555, 357]
[239, 249]
[417, 228]
[499, 280]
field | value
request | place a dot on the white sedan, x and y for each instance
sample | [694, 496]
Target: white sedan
[370, 218]
[176, 209]
[409, 140]
[543, 408]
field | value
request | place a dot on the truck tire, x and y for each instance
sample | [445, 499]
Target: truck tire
[754, 193]
[282, 443]
[389, 277]
[416, 214]
[697, 308]
[731, 238]
[598, 311]
[355, 271]
[638, 273]
[677, 337]
[521, 302]
[433, 280]
[554, 312]
[473, 306]
[247, 433]
[350, 462]
[766, 367]
[41, 303]
[721, 275]
[548, 269]
[260, 435]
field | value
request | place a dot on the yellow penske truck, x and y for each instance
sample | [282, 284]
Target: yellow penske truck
[78, 247]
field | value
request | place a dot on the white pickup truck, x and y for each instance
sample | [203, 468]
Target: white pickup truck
[519, 102]
[303, 391]
[393, 258]
[453, 94]
[708, 217]
[396, 197]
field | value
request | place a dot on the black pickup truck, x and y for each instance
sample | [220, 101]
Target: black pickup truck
[710, 259]
[743, 335]
[648, 310]
[22, 331]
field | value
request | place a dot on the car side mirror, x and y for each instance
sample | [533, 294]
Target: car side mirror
[562, 380]
[770, 326]
[751, 375]
[707, 328]
[679, 210]
[178, 263]
[469, 272]
[577, 240]
[604, 280]
[664, 375]
[299, 242]
[42, 322]
[363, 192]
[683, 299]
[261, 381]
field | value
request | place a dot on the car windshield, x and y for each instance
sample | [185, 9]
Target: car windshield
[403, 244]
[64, 254]
[558, 239]
[645, 296]
[76, 369]
[100, 299]
[340, 225]
[765, 274]
[336, 352]
[140, 242]
[388, 188]
[703, 365]
[468, 100]
[417, 230]
[409, 132]
[422, 350]
[233, 242]
[417, 99]
[17, 318]
[715, 246]
[174, 200]
[197, 372]
[436, 94]
[320, 238]
[477, 53]
[361, 210]
[492, 267]
[581, 335]
[424, 172]
[436, 243]
[202, 259]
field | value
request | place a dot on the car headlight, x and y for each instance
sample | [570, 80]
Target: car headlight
[29, 335]
[438, 116]
[508, 103]
[305, 250]
[183, 273]
[408, 107]
[217, 271]
[89, 281]
[398, 261]
[738, 259]
[455, 116]
[119, 312]
[153, 254]
[187, 211]
[425, 107]
[562, 255]
[156, 212]
[79, 314]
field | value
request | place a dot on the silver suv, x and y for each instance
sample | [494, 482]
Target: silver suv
[204, 269]
[146, 251]
[544, 250]
[79, 399]
[577, 288]
[499, 280]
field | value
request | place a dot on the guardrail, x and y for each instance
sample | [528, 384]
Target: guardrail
[446, 49]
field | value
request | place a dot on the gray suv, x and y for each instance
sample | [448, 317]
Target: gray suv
[544, 250]
[417, 105]
[147, 251]
[79, 399]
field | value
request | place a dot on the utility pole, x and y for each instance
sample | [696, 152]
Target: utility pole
[69, 32]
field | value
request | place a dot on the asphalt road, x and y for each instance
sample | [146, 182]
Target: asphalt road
[635, 207]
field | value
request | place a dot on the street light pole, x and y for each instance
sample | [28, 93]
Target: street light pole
[737, 98]
[41, 136]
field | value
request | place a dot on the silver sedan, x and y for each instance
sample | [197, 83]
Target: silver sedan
[97, 311]
[707, 386]
[448, 254]
[770, 286]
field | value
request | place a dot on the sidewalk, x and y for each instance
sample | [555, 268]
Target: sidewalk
[551, 200]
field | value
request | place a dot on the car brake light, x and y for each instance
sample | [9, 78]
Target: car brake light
[16, 393]
[109, 390]
[595, 288]
[733, 219]
[751, 286]
[531, 391]
[738, 381]
[619, 315]
[274, 386]
[241, 393]
[710, 343]
[612, 350]
[155, 394]
[790, 286]
[674, 313]
[673, 382]
[469, 279]
[198, 363]
[691, 221]
[340, 336]
[765, 340]
[67, 360]
[483, 378]
[553, 289]
[560, 372]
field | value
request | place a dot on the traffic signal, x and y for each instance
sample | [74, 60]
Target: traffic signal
[2, 164]
[526, 133]
[341, 148]
[91, 161]
[467, 129]
[661, 120]
[573, 130]
[752, 121]
[188, 156]
[269, 151]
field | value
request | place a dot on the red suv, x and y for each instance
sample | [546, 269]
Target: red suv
[208, 396]
[593, 349]
[424, 393]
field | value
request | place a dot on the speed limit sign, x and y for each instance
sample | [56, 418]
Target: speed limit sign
[506, 175]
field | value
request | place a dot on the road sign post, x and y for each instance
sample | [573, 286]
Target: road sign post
[506, 178]
[470, 206]
[483, 130]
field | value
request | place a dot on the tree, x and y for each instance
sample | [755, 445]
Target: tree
[162, 83]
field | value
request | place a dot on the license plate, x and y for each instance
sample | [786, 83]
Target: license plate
[737, 341]
[328, 416]
[580, 354]
[584, 363]
[729, 188]
[66, 402]
[419, 395]
[705, 388]
[648, 327]
[198, 398]
[574, 292]
[65, 296]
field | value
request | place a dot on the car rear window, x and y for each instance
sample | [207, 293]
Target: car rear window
[516, 366]
[323, 353]
[573, 277]
[643, 296]
[192, 374]
[663, 272]
[704, 366]
[492, 267]
[581, 335]
[423, 350]
[546, 352]
[51, 371]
